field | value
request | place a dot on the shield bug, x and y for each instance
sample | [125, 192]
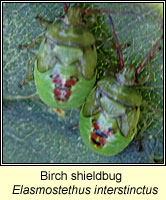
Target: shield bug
[109, 117]
[65, 68]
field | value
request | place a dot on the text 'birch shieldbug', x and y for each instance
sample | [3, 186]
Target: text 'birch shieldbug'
[109, 117]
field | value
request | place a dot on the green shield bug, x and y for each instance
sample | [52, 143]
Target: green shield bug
[109, 117]
[66, 61]
[65, 68]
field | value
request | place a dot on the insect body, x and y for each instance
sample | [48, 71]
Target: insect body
[66, 63]
[108, 121]
[109, 117]
[65, 69]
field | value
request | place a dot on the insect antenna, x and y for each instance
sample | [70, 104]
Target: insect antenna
[149, 54]
[120, 56]
[65, 8]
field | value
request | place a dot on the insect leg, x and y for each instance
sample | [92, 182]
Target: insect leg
[43, 22]
[138, 137]
[18, 97]
[147, 57]
[73, 128]
[118, 47]
[29, 75]
[65, 8]
[32, 43]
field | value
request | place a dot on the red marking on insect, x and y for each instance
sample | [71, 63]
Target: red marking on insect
[96, 126]
[102, 140]
[57, 81]
[57, 92]
[62, 90]
[94, 136]
[68, 93]
[98, 136]
[70, 83]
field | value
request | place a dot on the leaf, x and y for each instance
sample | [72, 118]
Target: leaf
[32, 132]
